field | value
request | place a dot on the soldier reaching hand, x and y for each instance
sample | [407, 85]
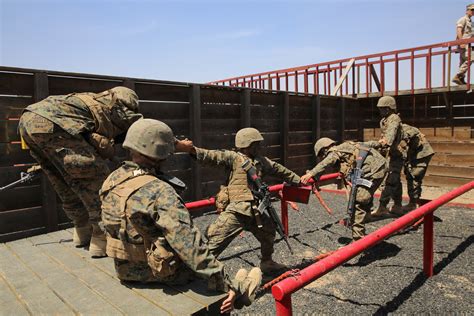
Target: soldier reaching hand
[240, 213]
[150, 233]
[343, 157]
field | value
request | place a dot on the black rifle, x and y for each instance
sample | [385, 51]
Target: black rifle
[357, 180]
[30, 175]
[265, 206]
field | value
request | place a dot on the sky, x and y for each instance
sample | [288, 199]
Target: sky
[201, 41]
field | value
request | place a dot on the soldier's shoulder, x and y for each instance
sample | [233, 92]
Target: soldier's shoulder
[462, 20]
[394, 118]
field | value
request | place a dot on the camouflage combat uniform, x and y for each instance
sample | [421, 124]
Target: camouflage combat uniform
[391, 129]
[57, 131]
[418, 156]
[465, 24]
[137, 214]
[240, 212]
[374, 167]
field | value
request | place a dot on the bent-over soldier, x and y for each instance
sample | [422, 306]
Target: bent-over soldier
[343, 157]
[71, 136]
[389, 146]
[418, 156]
[240, 211]
[150, 233]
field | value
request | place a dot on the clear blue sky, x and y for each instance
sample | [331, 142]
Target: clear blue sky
[199, 41]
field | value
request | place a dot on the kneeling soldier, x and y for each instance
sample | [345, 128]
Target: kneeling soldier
[418, 156]
[71, 136]
[240, 213]
[150, 233]
[344, 157]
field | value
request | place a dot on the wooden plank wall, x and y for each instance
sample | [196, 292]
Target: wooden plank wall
[209, 115]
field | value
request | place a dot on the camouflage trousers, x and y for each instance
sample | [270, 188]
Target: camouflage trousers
[72, 165]
[364, 203]
[232, 222]
[463, 62]
[414, 173]
[392, 187]
[141, 272]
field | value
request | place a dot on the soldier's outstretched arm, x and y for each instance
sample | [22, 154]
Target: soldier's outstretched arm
[281, 171]
[331, 159]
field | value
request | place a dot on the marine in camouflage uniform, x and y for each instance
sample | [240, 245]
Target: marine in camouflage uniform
[240, 213]
[389, 145]
[418, 156]
[150, 233]
[464, 31]
[70, 136]
[343, 158]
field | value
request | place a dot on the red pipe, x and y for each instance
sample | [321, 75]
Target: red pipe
[428, 244]
[288, 286]
[274, 188]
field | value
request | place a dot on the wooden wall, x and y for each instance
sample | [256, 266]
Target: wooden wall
[209, 115]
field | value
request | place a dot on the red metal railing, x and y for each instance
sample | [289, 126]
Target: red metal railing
[282, 291]
[397, 70]
[275, 188]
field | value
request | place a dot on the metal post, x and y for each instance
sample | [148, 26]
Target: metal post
[283, 307]
[428, 236]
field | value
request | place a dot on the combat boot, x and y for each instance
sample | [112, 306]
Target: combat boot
[397, 210]
[381, 211]
[81, 236]
[98, 244]
[249, 283]
[410, 207]
[269, 266]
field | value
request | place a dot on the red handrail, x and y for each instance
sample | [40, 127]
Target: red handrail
[282, 291]
[312, 72]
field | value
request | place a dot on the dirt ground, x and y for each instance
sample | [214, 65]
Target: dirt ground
[386, 279]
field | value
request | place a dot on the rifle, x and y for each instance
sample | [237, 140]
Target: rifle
[265, 206]
[357, 180]
[30, 175]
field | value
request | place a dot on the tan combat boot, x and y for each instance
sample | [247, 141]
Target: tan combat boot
[81, 236]
[397, 210]
[381, 211]
[250, 282]
[98, 244]
[269, 266]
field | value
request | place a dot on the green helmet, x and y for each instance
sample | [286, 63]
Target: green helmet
[246, 136]
[151, 138]
[387, 101]
[322, 143]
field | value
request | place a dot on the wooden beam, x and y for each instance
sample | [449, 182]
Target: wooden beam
[195, 128]
[245, 120]
[343, 76]
[316, 120]
[374, 75]
[285, 127]
[48, 194]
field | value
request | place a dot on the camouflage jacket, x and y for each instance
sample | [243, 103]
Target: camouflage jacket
[417, 145]
[343, 157]
[156, 210]
[238, 185]
[74, 116]
[391, 133]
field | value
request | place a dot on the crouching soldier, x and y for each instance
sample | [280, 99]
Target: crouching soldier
[71, 136]
[344, 158]
[418, 156]
[241, 211]
[150, 233]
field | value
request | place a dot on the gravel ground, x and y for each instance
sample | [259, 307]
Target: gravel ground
[389, 279]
